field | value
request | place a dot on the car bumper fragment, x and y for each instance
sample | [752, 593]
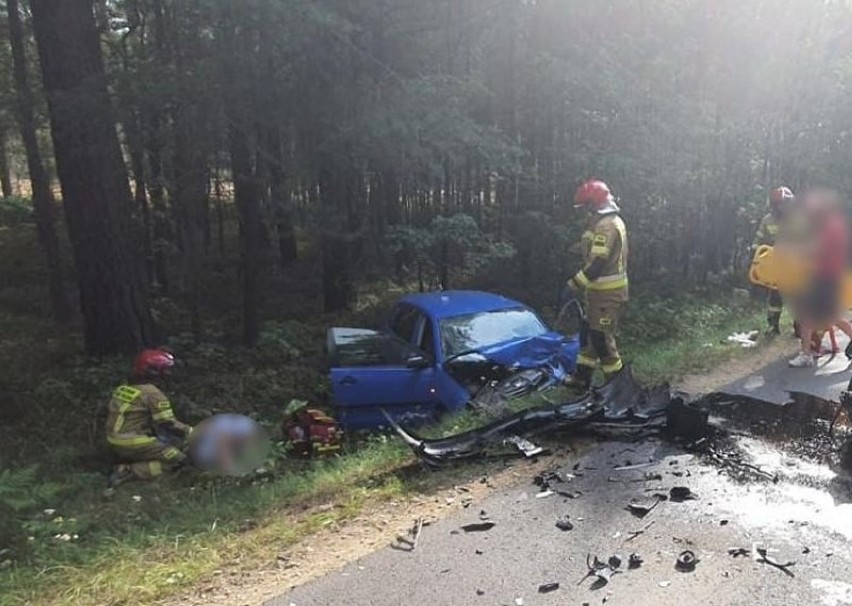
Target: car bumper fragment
[620, 405]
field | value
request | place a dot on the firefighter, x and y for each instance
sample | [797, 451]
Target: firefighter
[780, 200]
[142, 431]
[603, 281]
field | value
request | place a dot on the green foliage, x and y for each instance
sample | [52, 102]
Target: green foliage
[22, 489]
[15, 210]
[451, 250]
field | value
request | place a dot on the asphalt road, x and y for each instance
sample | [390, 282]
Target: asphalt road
[507, 564]
[805, 517]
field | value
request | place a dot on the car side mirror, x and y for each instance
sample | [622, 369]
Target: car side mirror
[417, 362]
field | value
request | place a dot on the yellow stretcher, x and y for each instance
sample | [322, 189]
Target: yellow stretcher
[787, 273]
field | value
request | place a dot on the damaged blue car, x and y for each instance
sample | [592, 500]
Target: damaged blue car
[438, 352]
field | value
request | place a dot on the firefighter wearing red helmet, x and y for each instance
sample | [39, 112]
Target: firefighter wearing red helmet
[141, 426]
[602, 280]
[780, 200]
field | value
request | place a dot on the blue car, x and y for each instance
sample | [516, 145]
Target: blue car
[436, 352]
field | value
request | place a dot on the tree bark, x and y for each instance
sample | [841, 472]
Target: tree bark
[5, 172]
[95, 188]
[189, 199]
[281, 200]
[43, 201]
[247, 198]
[336, 247]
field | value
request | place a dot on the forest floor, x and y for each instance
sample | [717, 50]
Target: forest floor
[209, 541]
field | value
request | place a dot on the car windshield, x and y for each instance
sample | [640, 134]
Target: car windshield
[477, 331]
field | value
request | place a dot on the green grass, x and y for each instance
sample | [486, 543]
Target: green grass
[178, 533]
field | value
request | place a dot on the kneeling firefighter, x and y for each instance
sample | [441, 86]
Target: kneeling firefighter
[142, 431]
[603, 280]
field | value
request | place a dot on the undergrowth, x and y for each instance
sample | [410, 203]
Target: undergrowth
[62, 541]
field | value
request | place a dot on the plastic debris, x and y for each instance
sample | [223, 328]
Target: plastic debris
[478, 526]
[679, 494]
[760, 555]
[634, 561]
[744, 339]
[564, 524]
[525, 447]
[603, 571]
[640, 510]
[548, 587]
[631, 467]
[686, 561]
[409, 543]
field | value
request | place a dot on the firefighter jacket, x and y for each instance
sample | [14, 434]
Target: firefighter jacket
[604, 248]
[135, 413]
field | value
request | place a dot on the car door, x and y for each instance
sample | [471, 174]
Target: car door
[383, 371]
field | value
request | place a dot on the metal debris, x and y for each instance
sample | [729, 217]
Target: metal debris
[636, 533]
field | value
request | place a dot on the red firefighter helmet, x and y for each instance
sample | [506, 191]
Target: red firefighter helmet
[781, 196]
[153, 363]
[593, 194]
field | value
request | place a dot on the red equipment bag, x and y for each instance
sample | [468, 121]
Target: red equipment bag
[312, 433]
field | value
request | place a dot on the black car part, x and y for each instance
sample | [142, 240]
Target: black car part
[619, 405]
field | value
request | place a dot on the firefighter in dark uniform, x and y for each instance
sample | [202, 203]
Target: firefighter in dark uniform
[780, 200]
[141, 428]
[602, 281]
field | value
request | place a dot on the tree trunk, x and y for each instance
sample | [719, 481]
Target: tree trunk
[157, 192]
[5, 173]
[247, 198]
[189, 199]
[281, 200]
[95, 189]
[336, 254]
[43, 201]
[136, 151]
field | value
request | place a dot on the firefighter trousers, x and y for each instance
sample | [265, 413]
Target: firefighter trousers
[149, 457]
[599, 348]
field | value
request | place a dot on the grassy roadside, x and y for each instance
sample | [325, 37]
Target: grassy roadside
[150, 541]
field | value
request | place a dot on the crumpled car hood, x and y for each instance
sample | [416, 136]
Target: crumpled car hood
[535, 352]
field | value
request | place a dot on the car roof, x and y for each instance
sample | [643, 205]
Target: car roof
[450, 303]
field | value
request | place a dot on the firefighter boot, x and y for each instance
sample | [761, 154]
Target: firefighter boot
[121, 473]
[774, 321]
[581, 380]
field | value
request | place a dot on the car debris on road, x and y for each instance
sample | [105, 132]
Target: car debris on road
[686, 561]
